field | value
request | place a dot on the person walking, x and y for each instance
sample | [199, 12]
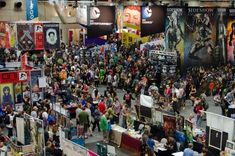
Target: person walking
[104, 127]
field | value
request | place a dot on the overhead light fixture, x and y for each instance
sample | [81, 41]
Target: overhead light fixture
[2, 4]
[18, 4]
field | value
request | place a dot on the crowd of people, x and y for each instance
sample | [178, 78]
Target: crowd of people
[72, 77]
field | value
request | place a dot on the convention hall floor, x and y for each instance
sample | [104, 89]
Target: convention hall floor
[97, 137]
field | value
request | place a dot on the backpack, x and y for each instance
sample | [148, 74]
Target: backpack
[127, 97]
[7, 120]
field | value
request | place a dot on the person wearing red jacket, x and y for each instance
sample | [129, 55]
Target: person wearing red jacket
[102, 106]
[198, 108]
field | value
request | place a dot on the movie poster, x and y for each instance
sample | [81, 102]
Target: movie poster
[51, 36]
[152, 20]
[13, 34]
[2, 34]
[39, 39]
[169, 125]
[101, 21]
[230, 35]
[200, 36]
[7, 96]
[175, 31]
[25, 35]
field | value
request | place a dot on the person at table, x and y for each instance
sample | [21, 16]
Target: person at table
[117, 106]
[189, 151]
[151, 144]
[104, 127]
[171, 145]
[110, 114]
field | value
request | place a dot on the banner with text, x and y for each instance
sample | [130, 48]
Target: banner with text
[101, 21]
[39, 38]
[31, 10]
[152, 20]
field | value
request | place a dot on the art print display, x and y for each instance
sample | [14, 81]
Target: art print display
[51, 35]
[179, 123]
[39, 36]
[175, 31]
[152, 20]
[2, 34]
[230, 35]
[169, 125]
[200, 36]
[12, 34]
[7, 39]
[132, 17]
[7, 95]
[25, 35]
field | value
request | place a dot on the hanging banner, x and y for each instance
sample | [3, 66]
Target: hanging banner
[18, 93]
[7, 38]
[34, 75]
[39, 38]
[51, 36]
[230, 35]
[12, 34]
[14, 77]
[221, 35]
[82, 15]
[200, 36]
[169, 125]
[25, 34]
[31, 10]
[175, 31]
[7, 96]
[132, 17]
[101, 21]
[119, 18]
[152, 20]
[2, 34]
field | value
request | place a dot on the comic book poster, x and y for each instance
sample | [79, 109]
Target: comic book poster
[2, 34]
[230, 35]
[7, 96]
[25, 34]
[12, 34]
[39, 38]
[18, 93]
[221, 35]
[34, 75]
[175, 31]
[200, 36]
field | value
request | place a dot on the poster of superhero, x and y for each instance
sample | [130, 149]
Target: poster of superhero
[175, 31]
[221, 35]
[51, 35]
[200, 36]
[2, 34]
[39, 38]
[230, 35]
[25, 36]
[7, 96]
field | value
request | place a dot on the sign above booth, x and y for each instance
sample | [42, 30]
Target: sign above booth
[14, 77]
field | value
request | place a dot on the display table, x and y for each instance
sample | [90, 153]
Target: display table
[159, 149]
[178, 154]
[116, 134]
[131, 144]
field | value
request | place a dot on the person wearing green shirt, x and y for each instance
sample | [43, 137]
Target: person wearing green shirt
[83, 119]
[104, 127]
[101, 75]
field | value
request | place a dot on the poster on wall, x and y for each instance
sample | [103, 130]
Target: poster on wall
[25, 35]
[101, 21]
[119, 18]
[18, 93]
[152, 20]
[7, 39]
[200, 36]
[131, 17]
[175, 30]
[51, 35]
[39, 38]
[153, 45]
[34, 75]
[169, 125]
[82, 15]
[230, 35]
[221, 34]
[2, 34]
[7, 96]
[12, 34]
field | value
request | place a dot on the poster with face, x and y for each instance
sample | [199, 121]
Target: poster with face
[39, 38]
[51, 36]
[132, 17]
[200, 36]
[34, 75]
[230, 35]
[169, 125]
[7, 96]
[25, 36]
[18, 93]
[2, 34]
[175, 31]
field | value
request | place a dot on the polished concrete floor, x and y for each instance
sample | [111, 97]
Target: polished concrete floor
[90, 143]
